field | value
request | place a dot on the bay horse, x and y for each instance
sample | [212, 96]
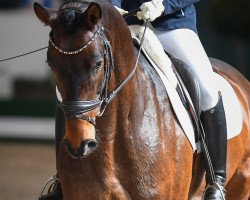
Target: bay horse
[134, 147]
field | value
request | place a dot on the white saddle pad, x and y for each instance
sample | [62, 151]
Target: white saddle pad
[232, 107]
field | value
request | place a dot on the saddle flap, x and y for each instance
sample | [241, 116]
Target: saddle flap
[190, 82]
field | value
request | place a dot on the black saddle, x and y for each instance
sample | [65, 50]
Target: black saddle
[188, 82]
[190, 86]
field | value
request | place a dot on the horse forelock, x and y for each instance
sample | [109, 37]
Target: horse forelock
[69, 11]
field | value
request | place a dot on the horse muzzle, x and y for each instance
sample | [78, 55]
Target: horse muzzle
[79, 138]
[85, 149]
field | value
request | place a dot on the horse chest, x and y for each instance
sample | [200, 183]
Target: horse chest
[131, 176]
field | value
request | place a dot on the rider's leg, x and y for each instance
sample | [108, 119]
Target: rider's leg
[185, 45]
[56, 193]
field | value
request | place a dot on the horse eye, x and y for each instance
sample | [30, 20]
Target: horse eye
[98, 66]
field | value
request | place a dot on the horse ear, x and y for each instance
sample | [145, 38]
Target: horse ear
[44, 14]
[93, 15]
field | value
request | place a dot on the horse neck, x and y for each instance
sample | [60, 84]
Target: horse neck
[119, 36]
[124, 62]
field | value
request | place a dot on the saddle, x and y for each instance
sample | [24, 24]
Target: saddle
[188, 82]
[190, 86]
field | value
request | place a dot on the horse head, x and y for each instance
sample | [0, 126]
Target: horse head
[79, 60]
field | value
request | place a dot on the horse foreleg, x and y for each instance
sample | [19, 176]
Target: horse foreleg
[239, 186]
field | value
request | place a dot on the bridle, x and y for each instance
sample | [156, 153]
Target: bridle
[78, 109]
[96, 34]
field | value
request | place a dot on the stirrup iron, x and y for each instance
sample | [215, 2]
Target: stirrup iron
[52, 181]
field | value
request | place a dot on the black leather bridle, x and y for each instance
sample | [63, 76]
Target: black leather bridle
[78, 109]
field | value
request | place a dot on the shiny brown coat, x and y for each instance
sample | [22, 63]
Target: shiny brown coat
[142, 153]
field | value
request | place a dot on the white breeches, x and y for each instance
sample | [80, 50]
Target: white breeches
[184, 44]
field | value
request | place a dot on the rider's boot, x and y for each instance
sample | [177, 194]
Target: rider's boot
[55, 193]
[214, 123]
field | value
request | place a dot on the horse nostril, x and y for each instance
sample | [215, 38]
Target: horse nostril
[86, 148]
[89, 146]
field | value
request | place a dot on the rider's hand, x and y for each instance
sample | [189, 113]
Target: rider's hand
[151, 10]
[121, 11]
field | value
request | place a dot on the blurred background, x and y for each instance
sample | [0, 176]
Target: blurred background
[27, 103]
[27, 89]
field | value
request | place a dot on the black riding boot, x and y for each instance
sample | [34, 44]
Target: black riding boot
[214, 123]
[55, 193]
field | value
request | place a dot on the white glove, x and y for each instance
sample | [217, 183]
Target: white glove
[151, 10]
[121, 11]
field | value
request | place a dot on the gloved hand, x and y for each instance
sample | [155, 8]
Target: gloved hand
[151, 10]
[121, 11]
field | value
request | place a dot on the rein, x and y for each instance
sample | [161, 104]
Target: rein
[24, 54]
[118, 89]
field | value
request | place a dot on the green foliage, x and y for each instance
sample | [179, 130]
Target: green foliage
[231, 17]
